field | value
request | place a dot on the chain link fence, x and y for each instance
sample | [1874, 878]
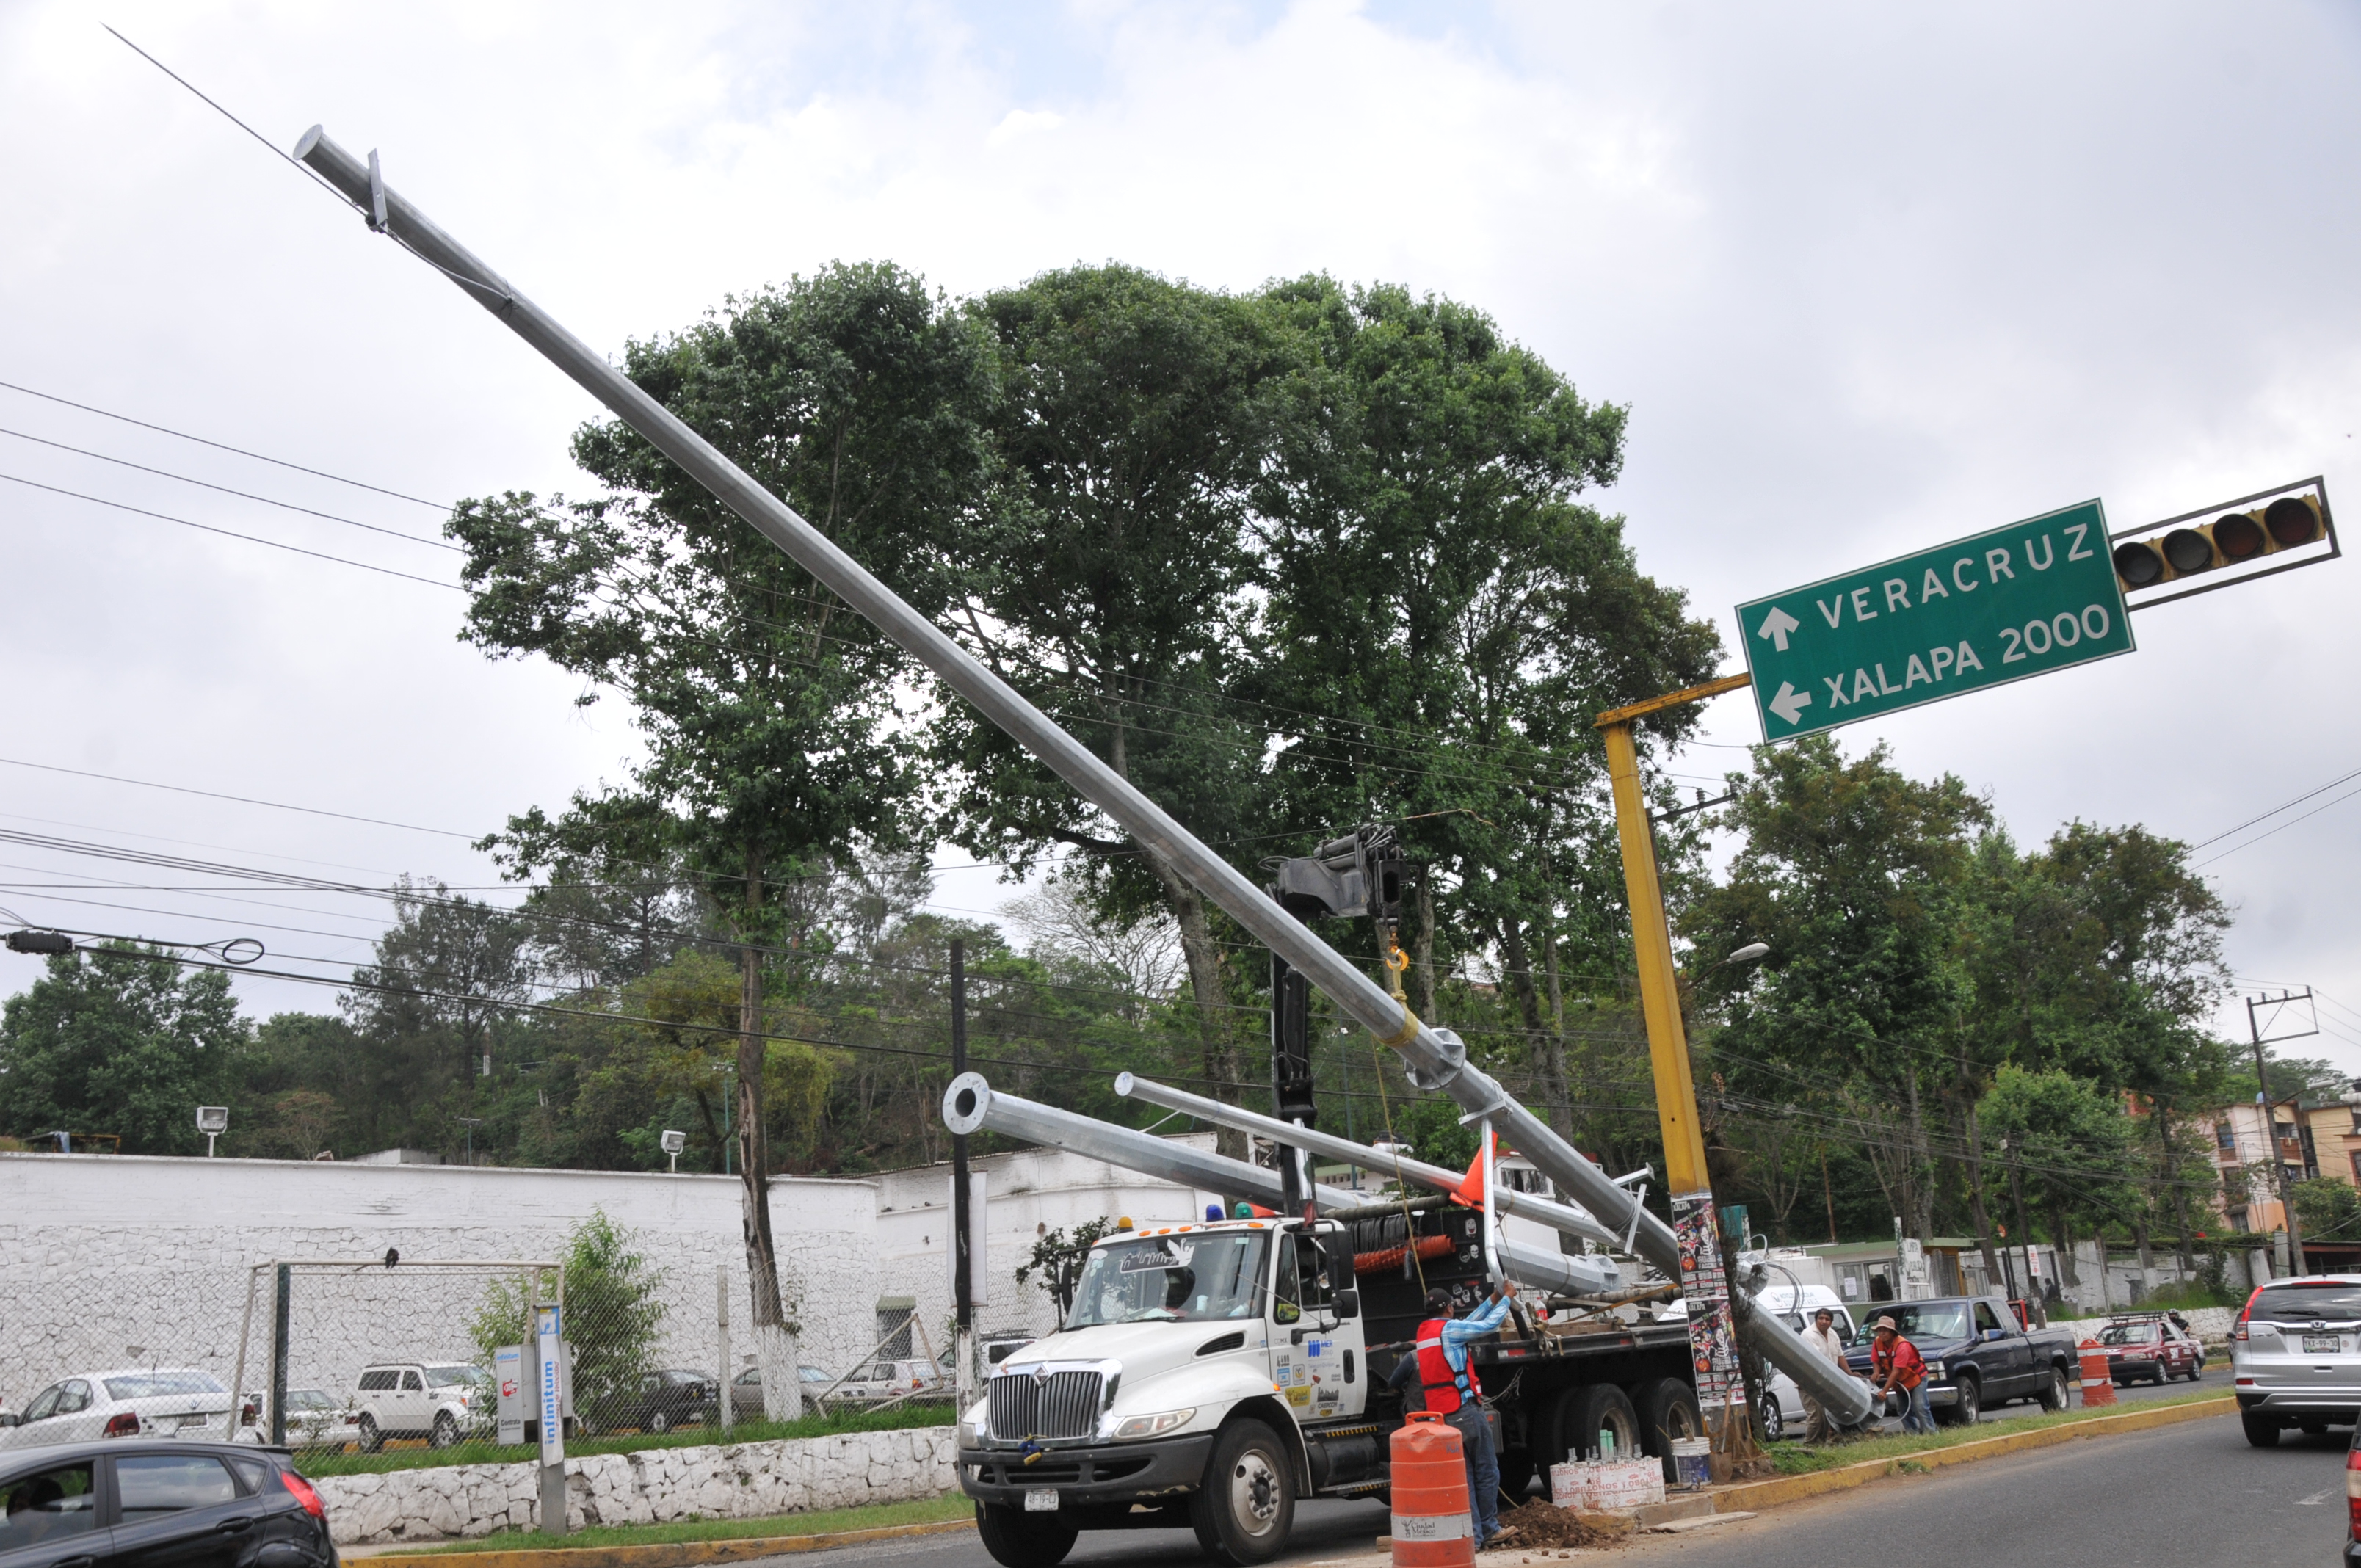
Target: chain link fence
[375, 1356]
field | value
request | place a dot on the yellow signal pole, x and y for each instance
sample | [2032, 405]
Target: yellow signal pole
[1704, 1283]
[1651, 938]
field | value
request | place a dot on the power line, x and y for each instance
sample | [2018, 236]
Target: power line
[239, 799]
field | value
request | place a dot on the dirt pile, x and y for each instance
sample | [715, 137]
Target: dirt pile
[1541, 1524]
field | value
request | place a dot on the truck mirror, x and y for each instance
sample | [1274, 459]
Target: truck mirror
[1286, 1312]
[1347, 1304]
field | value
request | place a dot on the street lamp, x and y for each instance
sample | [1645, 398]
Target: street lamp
[1747, 954]
[674, 1142]
[213, 1121]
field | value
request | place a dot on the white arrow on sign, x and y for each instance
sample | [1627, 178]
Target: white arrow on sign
[1790, 702]
[1775, 626]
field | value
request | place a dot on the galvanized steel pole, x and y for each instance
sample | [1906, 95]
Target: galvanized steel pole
[1434, 1059]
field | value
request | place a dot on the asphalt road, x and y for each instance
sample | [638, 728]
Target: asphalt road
[2194, 1494]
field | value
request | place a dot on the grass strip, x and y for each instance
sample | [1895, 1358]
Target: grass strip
[319, 1462]
[876, 1515]
[1795, 1459]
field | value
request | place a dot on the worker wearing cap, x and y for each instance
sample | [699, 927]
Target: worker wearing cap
[1898, 1366]
[1453, 1393]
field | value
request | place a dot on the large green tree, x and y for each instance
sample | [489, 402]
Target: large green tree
[769, 713]
[124, 1042]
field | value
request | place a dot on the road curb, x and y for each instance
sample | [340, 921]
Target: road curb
[1760, 1495]
[663, 1555]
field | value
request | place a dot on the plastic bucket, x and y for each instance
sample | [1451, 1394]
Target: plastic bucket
[1690, 1465]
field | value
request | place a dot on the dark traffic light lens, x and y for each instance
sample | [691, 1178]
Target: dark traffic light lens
[2188, 550]
[2138, 564]
[2290, 522]
[2238, 537]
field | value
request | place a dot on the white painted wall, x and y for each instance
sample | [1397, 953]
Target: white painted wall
[1029, 1193]
[102, 1252]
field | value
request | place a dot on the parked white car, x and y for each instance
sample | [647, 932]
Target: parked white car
[161, 1401]
[882, 1380]
[438, 1401]
[315, 1420]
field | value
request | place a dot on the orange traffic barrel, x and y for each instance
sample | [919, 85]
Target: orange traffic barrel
[1430, 1496]
[2098, 1377]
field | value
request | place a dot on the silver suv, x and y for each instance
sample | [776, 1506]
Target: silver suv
[2296, 1355]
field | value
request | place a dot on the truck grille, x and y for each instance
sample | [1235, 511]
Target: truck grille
[1065, 1404]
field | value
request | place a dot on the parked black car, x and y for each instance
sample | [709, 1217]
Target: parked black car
[148, 1503]
[658, 1402]
[1976, 1354]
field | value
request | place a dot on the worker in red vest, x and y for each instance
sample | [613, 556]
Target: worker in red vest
[1453, 1393]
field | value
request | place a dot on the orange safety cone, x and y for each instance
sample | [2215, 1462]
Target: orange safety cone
[2098, 1379]
[1430, 1494]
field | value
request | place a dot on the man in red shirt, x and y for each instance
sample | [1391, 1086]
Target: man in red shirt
[1896, 1365]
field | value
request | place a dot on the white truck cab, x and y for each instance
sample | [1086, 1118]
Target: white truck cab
[1208, 1374]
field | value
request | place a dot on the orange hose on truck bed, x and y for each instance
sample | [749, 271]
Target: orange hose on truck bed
[1390, 1257]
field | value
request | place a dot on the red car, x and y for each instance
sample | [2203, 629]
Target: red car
[2151, 1345]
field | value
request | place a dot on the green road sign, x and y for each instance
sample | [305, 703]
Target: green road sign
[2023, 600]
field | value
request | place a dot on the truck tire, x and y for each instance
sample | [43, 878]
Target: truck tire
[1970, 1403]
[446, 1431]
[1585, 1412]
[2053, 1393]
[1245, 1507]
[1019, 1540]
[1668, 1410]
[2263, 1432]
[372, 1441]
[1516, 1474]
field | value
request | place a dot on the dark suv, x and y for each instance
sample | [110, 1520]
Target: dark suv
[144, 1503]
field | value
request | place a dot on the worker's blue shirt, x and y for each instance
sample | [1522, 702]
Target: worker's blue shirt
[1458, 1331]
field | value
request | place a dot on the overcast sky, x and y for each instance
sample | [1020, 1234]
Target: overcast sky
[1870, 277]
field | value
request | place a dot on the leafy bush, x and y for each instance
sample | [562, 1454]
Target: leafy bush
[612, 1315]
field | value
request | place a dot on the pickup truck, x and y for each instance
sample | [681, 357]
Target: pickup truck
[1976, 1355]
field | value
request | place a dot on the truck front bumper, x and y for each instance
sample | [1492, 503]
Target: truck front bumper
[1107, 1473]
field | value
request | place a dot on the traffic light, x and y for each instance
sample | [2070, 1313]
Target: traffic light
[2233, 539]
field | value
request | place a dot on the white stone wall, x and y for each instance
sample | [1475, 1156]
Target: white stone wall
[752, 1480]
[105, 1254]
[1027, 1192]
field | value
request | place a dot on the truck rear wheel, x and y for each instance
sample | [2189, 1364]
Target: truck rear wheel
[1242, 1512]
[2263, 1432]
[1602, 1407]
[1668, 1410]
[1019, 1540]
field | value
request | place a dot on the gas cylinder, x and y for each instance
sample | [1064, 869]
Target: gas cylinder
[1431, 1528]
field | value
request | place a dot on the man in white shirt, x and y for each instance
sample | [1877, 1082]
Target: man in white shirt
[1824, 1340]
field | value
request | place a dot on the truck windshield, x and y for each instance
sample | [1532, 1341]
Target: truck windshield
[1184, 1278]
[1919, 1319]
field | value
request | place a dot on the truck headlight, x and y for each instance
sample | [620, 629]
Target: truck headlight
[1935, 1371]
[971, 1426]
[1154, 1425]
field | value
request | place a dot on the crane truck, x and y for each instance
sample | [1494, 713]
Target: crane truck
[1209, 1375]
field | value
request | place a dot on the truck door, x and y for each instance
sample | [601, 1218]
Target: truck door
[2007, 1361]
[1316, 1357]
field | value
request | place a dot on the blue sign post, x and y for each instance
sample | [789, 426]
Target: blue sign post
[549, 1376]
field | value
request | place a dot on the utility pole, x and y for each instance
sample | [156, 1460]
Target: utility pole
[1722, 1390]
[2270, 1123]
[2032, 1254]
[962, 1222]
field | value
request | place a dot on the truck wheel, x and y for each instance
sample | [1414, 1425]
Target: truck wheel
[446, 1431]
[1668, 1411]
[1971, 1405]
[1516, 1474]
[372, 1439]
[1019, 1540]
[2263, 1432]
[1602, 1407]
[1242, 1512]
[2053, 1393]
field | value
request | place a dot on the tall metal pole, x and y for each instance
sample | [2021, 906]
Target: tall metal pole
[962, 1247]
[282, 1310]
[2271, 1142]
[1433, 1059]
[1721, 1388]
